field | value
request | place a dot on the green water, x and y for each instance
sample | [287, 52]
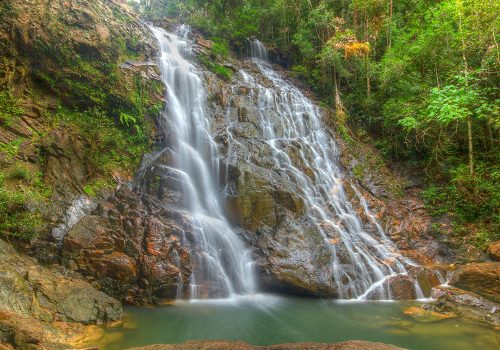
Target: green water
[265, 320]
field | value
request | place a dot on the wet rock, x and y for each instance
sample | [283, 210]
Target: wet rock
[464, 303]
[293, 259]
[421, 314]
[481, 278]
[428, 277]
[205, 43]
[265, 201]
[24, 332]
[402, 288]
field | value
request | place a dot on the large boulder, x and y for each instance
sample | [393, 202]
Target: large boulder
[494, 250]
[48, 294]
[481, 278]
[293, 258]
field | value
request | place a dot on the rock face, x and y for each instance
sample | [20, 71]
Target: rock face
[136, 245]
[222, 345]
[466, 304]
[132, 247]
[48, 295]
[59, 58]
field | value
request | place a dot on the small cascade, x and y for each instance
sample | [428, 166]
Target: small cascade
[257, 50]
[364, 260]
[222, 266]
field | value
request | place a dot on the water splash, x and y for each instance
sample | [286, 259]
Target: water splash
[222, 266]
[364, 259]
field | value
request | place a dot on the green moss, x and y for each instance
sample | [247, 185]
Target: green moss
[104, 106]
[7, 11]
[220, 48]
[359, 172]
[97, 186]
[18, 172]
[221, 71]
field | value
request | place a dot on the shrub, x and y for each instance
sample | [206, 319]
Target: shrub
[10, 108]
[18, 219]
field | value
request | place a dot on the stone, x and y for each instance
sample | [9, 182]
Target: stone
[480, 278]
[204, 43]
[427, 316]
[402, 288]
[465, 304]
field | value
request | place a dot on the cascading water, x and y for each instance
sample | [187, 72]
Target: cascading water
[363, 257]
[257, 50]
[222, 265]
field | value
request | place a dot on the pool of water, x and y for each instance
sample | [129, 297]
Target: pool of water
[272, 319]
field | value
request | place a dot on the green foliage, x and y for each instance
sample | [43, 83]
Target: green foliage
[10, 149]
[18, 172]
[220, 48]
[127, 119]
[469, 199]
[7, 11]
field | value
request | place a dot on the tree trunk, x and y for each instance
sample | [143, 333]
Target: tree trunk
[367, 58]
[368, 83]
[469, 117]
[389, 36]
[471, 151]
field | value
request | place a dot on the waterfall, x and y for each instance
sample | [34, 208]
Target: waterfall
[364, 259]
[222, 266]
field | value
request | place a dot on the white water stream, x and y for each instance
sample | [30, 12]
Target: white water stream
[363, 257]
[222, 265]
